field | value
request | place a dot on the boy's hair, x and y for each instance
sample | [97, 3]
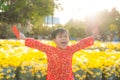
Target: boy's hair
[57, 31]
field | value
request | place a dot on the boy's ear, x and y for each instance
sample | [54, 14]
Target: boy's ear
[54, 40]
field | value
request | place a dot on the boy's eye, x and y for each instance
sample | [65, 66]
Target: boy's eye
[60, 36]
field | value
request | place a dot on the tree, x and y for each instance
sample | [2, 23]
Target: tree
[76, 28]
[115, 15]
[107, 21]
[22, 11]
[13, 11]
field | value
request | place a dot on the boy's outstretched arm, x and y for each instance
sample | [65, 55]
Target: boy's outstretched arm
[30, 42]
[83, 43]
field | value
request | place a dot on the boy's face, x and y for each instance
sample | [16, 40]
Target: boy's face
[62, 40]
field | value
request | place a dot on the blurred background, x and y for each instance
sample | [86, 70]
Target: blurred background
[81, 17]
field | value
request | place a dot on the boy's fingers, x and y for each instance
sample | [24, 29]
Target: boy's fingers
[22, 36]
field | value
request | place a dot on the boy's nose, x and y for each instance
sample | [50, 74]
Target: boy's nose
[64, 38]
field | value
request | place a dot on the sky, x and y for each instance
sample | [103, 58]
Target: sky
[79, 9]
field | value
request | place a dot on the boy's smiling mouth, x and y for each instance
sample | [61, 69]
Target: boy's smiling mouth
[64, 43]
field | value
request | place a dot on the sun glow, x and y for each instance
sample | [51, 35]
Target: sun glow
[79, 9]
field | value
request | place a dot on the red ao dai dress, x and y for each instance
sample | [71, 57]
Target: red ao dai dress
[59, 61]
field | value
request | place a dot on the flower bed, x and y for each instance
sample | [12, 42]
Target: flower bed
[98, 62]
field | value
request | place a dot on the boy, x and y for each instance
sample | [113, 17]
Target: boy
[59, 57]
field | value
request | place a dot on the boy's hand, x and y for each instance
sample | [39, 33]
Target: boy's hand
[22, 36]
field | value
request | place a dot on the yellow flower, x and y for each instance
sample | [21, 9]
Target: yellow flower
[38, 76]
[9, 71]
[13, 76]
[8, 76]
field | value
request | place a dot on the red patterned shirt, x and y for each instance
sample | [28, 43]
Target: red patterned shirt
[59, 61]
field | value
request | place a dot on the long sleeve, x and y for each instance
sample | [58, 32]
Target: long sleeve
[30, 42]
[84, 43]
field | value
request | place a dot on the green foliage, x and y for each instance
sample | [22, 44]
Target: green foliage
[3, 5]
[39, 28]
[19, 10]
[8, 73]
[4, 30]
[107, 22]
[25, 73]
[76, 28]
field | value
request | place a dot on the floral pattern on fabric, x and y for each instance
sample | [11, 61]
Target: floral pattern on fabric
[59, 61]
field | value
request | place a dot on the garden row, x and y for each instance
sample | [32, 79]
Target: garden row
[98, 62]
